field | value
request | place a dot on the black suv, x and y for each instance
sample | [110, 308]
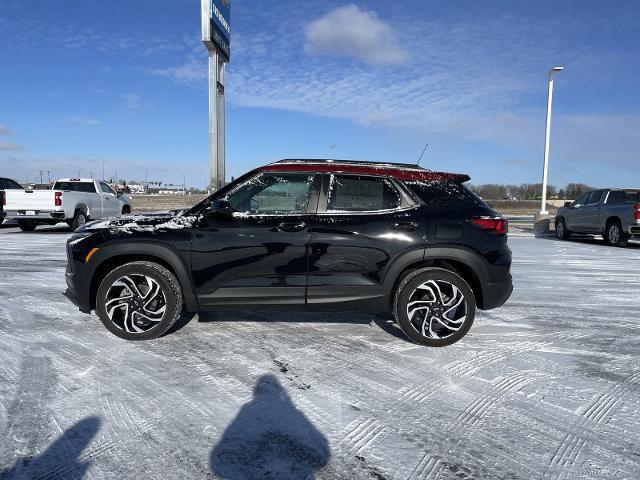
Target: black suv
[316, 235]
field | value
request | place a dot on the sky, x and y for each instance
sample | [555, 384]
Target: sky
[124, 83]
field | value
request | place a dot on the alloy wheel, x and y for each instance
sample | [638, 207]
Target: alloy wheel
[135, 303]
[614, 234]
[437, 309]
[560, 229]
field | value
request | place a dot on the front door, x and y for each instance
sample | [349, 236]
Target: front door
[258, 256]
[110, 203]
[363, 224]
[575, 217]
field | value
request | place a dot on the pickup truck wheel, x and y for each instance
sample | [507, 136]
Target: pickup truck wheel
[434, 307]
[614, 235]
[126, 210]
[562, 232]
[139, 300]
[79, 219]
[27, 225]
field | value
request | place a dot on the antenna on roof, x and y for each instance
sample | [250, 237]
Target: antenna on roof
[419, 159]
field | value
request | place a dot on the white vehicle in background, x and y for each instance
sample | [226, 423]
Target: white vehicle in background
[72, 200]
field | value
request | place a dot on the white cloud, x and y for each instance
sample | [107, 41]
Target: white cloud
[132, 101]
[89, 122]
[352, 32]
[9, 146]
[192, 73]
[4, 130]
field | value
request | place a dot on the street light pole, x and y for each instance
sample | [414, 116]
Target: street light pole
[547, 139]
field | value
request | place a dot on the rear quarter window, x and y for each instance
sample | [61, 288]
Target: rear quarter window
[449, 196]
[618, 197]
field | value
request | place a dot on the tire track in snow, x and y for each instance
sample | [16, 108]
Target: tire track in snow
[431, 465]
[567, 454]
[467, 368]
[362, 434]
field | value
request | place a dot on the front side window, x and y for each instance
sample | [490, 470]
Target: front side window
[273, 194]
[582, 199]
[353, 193]
[595, 197]
[106, 188]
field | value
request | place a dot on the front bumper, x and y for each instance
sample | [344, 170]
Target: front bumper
[495, 295]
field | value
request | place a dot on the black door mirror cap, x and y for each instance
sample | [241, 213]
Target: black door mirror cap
[568, 204]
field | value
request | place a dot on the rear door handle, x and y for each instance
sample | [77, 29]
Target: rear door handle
[291, 227]
[405, 226]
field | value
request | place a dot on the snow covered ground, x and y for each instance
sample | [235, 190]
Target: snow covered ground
[545, 387]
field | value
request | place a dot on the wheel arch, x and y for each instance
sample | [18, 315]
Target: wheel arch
[458, 260]
[81, 207]
[110, 257]
[611, 219]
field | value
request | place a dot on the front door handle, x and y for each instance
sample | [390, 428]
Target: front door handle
[405, 226]
[291, 227]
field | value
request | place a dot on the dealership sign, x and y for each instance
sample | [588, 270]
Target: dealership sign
[216, 24]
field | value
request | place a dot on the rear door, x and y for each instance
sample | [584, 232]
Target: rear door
[363, 223]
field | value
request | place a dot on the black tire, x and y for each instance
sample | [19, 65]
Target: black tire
[562, 232]
[409, 287]
[126, 210]
[79, 219]
[614, 235]
[172, 301]
[27, 225]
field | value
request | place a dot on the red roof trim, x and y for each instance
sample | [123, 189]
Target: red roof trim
[398, 173]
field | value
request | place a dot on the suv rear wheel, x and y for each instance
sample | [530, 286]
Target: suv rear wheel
[434, 307]
[139, 300]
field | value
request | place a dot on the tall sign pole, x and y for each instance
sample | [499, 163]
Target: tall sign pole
[216, 36]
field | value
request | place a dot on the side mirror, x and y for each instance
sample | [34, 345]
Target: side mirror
[219, 208]
[119, 194]
[568, 204]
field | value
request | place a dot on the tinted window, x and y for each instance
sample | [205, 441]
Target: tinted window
[623, 196]
[273, 194]
[595, 197]
[85, 187]
[582, 199]
[8, 184]
[361, 194]
[106, 188]
[441, 195]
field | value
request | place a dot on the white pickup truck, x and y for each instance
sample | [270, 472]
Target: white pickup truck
[72, 200]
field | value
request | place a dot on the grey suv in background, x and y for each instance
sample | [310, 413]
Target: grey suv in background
[613, 213]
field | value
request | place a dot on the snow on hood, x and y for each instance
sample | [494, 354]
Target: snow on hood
[149, 222]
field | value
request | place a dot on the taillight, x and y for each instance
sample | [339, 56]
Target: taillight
[636, 211]
[499, 226]
[58, 199]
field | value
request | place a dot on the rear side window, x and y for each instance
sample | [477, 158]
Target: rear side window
[439, 195]
[618, 197]
[8, 184]
[356, 193]
[84, 187]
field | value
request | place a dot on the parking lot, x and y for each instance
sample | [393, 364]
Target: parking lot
[545, 387]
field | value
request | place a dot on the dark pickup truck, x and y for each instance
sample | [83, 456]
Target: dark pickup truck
[612, 213]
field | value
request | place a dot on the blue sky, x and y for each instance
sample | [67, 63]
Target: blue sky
[124, 82]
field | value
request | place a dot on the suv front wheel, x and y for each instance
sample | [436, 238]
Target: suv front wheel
[139, 300]
[434, 307]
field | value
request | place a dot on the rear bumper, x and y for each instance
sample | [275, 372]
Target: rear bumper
[495, 295]
[634, 230]
[41, 215]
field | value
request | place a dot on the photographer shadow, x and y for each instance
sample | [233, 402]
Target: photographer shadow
[270, 438]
